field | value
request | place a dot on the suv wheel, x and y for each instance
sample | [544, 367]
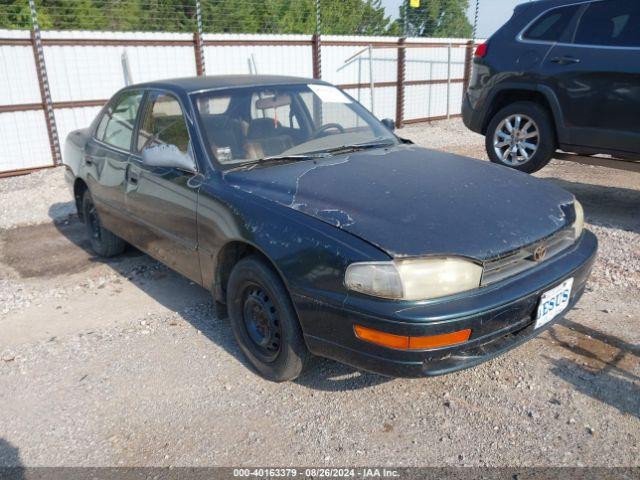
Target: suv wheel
[521, 136]
[264, 321]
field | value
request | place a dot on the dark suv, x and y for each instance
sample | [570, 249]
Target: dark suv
[560, 74]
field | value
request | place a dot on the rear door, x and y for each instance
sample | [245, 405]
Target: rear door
[163, 201]
[598, 77]
[106, 159]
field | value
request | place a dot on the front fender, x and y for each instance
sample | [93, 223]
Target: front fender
[309, 254]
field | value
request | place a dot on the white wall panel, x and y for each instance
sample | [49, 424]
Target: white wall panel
[96, 72]
[292, 60]
[339, 67]
[24, 142]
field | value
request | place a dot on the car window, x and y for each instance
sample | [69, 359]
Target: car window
[284, 120]
[117, 123]
[163, 123]
[552, 25]
[326, 113]
[610, 23]
[278, 108]
[215, 106]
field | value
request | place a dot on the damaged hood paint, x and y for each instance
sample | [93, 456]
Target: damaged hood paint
[410, 201]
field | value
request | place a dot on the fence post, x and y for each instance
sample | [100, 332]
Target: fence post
[449, 47]
[43, 82]
[316, 53]
[468, 64]
[197, 42]
[316, 44]
[400, 84]
[197, 48]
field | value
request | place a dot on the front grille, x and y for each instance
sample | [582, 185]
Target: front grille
[520, 260]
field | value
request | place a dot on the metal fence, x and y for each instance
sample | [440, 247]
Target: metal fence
[55, 81]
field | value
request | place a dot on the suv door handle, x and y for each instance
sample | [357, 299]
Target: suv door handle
[565, 60]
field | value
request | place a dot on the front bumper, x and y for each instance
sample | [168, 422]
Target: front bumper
[501, 317]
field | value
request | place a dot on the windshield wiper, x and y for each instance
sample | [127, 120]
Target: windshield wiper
[250, 165]
[358, 146]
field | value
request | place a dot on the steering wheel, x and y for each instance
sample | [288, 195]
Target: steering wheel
[328, 126]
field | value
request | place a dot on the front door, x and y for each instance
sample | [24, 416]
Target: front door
[106, 158]
[598, 77]
[163, 201]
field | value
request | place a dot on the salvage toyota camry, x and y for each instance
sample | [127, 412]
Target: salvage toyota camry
[323, 233]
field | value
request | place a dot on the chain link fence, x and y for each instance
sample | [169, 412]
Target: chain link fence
[62, 59]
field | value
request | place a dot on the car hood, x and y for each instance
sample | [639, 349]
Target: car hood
[411, 201]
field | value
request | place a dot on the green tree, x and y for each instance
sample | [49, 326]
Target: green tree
[437, 18]
[17, 14]
[354, 17]
[341, 17]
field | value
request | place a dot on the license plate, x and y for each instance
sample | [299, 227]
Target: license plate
[553, 303]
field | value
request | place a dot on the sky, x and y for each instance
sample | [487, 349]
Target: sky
[493, 13]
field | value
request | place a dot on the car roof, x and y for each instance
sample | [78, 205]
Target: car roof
[195, 84]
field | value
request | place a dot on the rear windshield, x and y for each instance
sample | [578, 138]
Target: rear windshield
[552, 25]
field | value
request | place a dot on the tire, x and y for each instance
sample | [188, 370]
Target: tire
[264, 321]
[103, 242]
[545, 142]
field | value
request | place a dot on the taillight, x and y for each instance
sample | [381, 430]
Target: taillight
[481, 50]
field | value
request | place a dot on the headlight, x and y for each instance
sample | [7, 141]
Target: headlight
[578, 224]
[414, 279]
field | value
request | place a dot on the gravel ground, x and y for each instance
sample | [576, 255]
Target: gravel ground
[124, 363]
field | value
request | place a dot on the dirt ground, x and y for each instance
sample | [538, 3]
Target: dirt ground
[124, 363]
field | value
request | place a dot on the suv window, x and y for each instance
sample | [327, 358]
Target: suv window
[163, 123]
[117, 123]
[610, 23]
[551, 26]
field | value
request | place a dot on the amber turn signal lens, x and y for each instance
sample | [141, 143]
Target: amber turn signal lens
[402, 342]
[435, 341]
[382, 338]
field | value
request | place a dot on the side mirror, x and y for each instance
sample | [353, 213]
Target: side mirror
[389, 123]
[167, 156]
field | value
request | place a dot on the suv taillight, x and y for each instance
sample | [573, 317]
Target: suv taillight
[481, 50]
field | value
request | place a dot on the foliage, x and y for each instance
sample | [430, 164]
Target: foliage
[437, 18]
[339, 17]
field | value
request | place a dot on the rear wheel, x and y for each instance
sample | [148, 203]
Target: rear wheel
[103, 242]
[521, 136]
[264, 321]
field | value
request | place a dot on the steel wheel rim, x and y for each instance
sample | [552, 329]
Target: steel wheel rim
[516, 140]
[262, 323]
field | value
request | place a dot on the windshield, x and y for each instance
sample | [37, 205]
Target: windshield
[249, 124]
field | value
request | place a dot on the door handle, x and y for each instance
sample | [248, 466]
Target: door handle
[565, 60]
[131, 175]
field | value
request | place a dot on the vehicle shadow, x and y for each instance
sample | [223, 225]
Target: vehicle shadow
[602, 364]
[195, 305]
[11, 467]
[606, 206]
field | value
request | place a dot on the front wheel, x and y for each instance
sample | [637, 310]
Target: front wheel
[521, 136]
[264, 321]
